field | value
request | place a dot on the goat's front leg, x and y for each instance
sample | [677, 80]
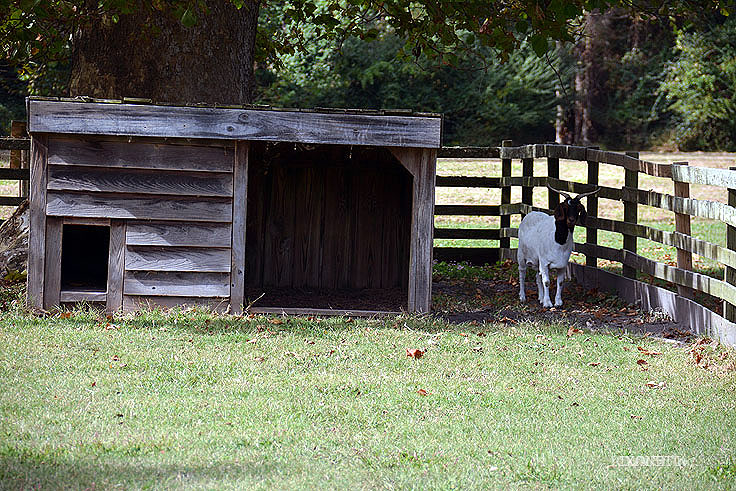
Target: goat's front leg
[561, 274]
[522, 278]
[544, 274]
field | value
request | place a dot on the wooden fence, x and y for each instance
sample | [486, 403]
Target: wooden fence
[18, 170]
[683, 207]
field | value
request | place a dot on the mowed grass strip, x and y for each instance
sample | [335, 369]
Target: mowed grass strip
[194, 400]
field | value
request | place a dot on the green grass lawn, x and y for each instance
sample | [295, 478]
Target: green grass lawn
[200, 401]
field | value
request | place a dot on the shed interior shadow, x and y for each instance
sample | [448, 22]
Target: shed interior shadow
[84, 256]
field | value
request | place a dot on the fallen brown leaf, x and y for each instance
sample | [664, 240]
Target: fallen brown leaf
[414, 353]
[573, 330]
[275, 321]
[594, 363]
[422, 392]
[634, 416]
[648, 352]
[641, 362]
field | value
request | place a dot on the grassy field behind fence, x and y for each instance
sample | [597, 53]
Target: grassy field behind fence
[612, 176]
[196, 401]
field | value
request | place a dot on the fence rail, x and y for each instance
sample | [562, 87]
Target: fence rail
[681, 204]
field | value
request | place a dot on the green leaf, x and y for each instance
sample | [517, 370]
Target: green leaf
[188, 19]
[539, 44]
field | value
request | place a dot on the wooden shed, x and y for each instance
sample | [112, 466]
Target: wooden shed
[136, 204]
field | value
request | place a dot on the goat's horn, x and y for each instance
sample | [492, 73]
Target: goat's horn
[588, 194]
[559, 192]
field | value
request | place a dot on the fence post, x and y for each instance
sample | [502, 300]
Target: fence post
[553, 171]
[682, 225]
[19, 158]
[631, 213]
[591, 233]
[729, 311]
[527, 187]
[505, 242]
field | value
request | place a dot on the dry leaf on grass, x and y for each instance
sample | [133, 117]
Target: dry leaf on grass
[641, 362]
[573, 330]
[645, 351]
[275, 321]
[422, 392]
[655, 385]
[414, 353]
[594, 363]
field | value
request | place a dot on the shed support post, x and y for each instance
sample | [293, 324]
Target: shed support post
[37, 218]
[421, 163]
[240, 202]
[631, 213]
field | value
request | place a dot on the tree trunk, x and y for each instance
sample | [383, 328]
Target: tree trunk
[150, 54]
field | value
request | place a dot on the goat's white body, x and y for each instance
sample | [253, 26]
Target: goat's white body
[539, 250]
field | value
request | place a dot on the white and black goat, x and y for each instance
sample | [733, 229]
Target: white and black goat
[545, 244]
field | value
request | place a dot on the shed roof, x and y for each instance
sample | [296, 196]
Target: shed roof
[137, 117]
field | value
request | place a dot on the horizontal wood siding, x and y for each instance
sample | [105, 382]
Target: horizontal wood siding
[177, 259]
[137, 207]
[175, 201]
[234, 124]
[178, 234]
[129, 181]
[167, 283]
[92, 151]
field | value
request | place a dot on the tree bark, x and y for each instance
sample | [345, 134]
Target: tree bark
[150, 54]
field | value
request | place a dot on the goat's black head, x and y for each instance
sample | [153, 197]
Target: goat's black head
[569, 213]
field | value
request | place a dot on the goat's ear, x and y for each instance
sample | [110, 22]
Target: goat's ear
[582, 215]
[561, 211]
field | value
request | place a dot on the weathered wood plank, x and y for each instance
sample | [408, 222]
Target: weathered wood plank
[116, 266]
[697, 281]
[674, 239]
[421, 164]
[682, 226]
[591, 233]
[468, 152]
[37, 217]
[135, 302]
[480, 210]
[129, 181]
[337, 239]
[579, 188]
[14, 174]
[52, 270]
[258, 197]
[690, 206]
[71, 296]
[177, 259]
[505, 220]
[729, 307]
[178, 234]
[473, 255]
[309, 197]
[117, 206]
[279, 240]
[83, 151]
[724, 178]
[235, 124]
[631, 213]
[475, 233]
[15, 143]
[177, 284]
[11, 200]
[240, 215]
